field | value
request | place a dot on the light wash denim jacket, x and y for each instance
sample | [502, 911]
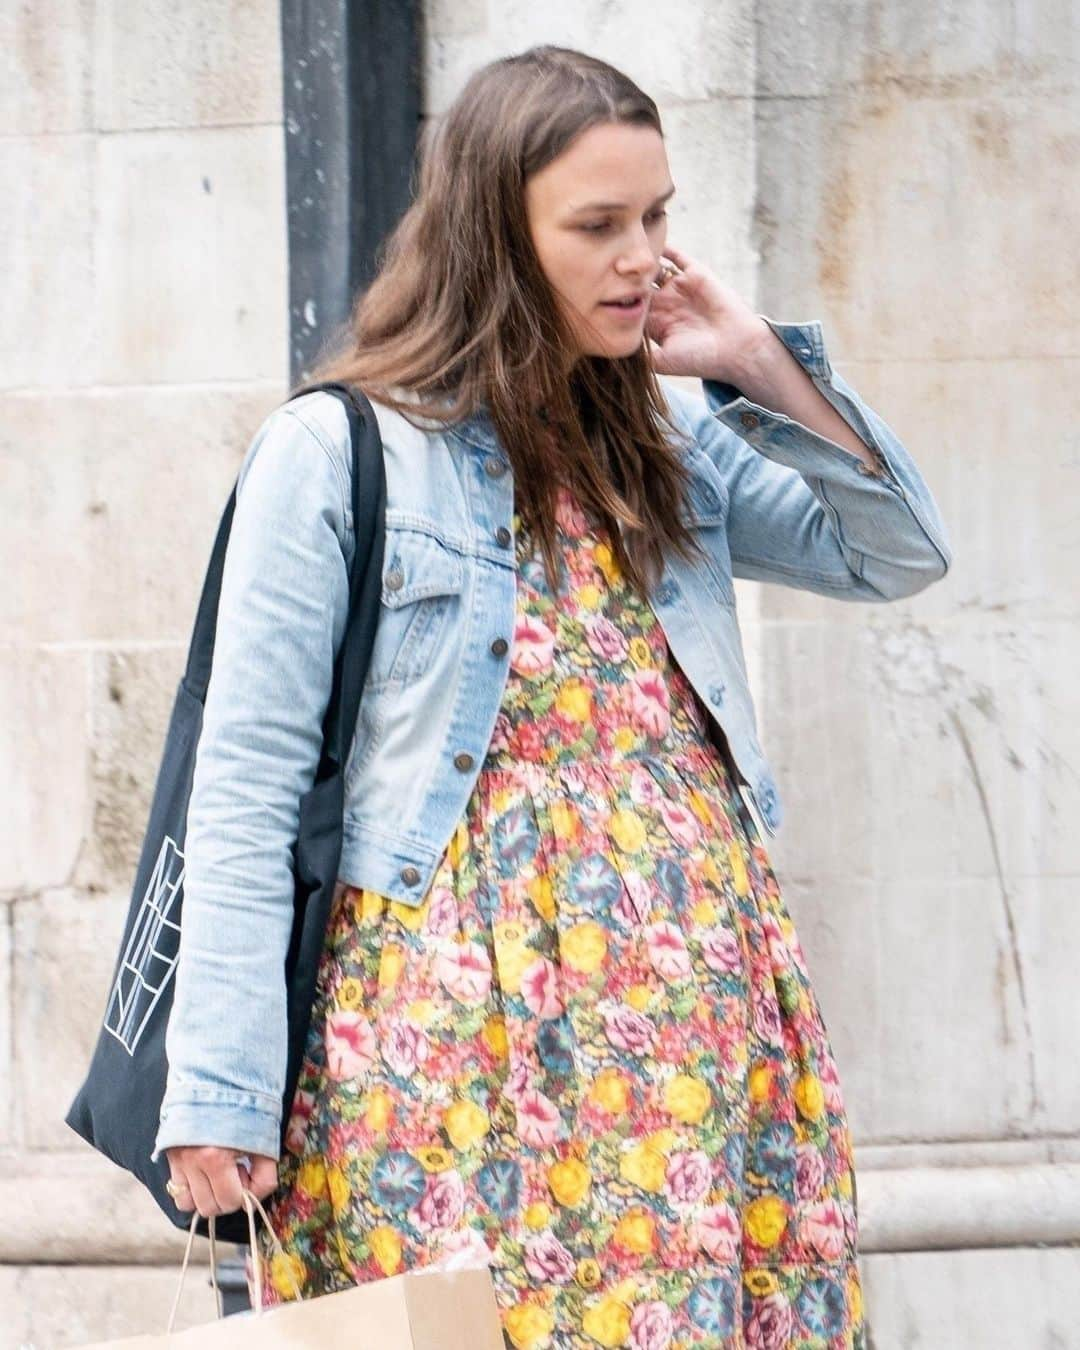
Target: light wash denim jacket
[771, 500]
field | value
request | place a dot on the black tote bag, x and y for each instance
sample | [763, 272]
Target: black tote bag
[118, 1105]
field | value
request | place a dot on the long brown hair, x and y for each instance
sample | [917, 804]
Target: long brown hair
[460, 316]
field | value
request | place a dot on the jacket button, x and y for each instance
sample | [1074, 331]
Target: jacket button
[749, 420]
[500, 647]
[410, 875]
[395, 579]
[716, 694]
[463, 761]
[503, 535]
[494, 468]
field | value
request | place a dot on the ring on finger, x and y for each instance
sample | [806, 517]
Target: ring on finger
[176, 1188]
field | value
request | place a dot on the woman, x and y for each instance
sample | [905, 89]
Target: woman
[564, 1026]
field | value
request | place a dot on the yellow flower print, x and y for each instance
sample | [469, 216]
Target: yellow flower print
[640, 652]
[513, 960]
[639, 997]
[540, 892]
[529, 1326]
[761, 1282]
[422, 1011]
[569, 1182]
[537, 1215]
[287, 1274]
[854, 1300]
[380, 1111]
[760, 1083]
[340, 1190]
[624, 740]
[644, 1167]
[845, 1185]
[610, 1091]
[391, 964]
[371, 905]
[574, 699]
[466, 1123]
[410, 916]
[662, 1140]
[687, 1098]
[459, 843]
[704, 913]
[739, 876]
[587, 1272]
[810, 1096]
[508, 932]
[432, 1158]
[607, 1321]
[606, 561]
[564, 821]
[350, 994]
[589, 596]
[636, 1232]
[385, 1244]
[628, 830]
[700, 806]
[311, 1178]
[765, 1220]
[584, 947]
[494, 1034]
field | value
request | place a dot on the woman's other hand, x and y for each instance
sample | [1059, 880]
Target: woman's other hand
[209, 1179]
[698, 326]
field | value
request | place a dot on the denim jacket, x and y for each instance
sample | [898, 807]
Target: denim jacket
[769, 500]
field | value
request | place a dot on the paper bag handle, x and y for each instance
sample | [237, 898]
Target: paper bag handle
[251, 1203]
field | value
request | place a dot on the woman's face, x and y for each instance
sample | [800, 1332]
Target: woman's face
[598, 224]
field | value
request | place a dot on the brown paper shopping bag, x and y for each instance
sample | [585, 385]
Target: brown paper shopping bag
[423, 1310]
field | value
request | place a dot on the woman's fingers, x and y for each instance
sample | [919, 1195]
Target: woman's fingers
[264, 1176]
[677, 256]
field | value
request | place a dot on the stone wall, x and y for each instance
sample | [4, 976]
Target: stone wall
[901, 172]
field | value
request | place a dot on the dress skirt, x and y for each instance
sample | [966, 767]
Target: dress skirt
[592, 1058]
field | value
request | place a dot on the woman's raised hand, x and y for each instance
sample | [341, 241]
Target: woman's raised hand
[698, 326]
[209, 1178]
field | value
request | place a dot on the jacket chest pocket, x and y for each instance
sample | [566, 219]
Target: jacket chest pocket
[422, 581]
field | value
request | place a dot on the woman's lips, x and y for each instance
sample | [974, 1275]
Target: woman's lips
[633, 311]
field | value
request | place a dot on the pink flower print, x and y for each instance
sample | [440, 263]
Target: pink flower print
[442, 1204]
[629, 1030]
[299, 1120]
[640, 892]
[405, 1047]
[568, 514]
[718, 1231]
[644, 789]
[534, 646]
[830, 1082]
[540, 988]
[851, 1222]
[465, 970]
[809, 1171]
[649, 702]
[722, 952]
[442, 915]
[778, 951]
[667, 951]
[519, 1080]
[538, 1119]
[769, 1327]
[683, 826]
[624, 912]
[605, 640]
[651, 1327]
[547, 1260]
[689, 1176]
[766, 1017]
[822, 1228]
[350, 1045]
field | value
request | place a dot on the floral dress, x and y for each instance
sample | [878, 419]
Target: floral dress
[592, 1057]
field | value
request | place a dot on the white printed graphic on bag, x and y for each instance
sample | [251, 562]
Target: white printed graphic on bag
[151, 953]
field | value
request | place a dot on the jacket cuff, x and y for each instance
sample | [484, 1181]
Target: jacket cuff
[237, 1120]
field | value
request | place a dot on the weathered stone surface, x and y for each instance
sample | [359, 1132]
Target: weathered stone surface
[191, 256]
[685, 52]
[996, 1300]
[46, 241]
[7, 1105]
[201, 63]
[51, 1307]
[114, 497]
[44, 724]
[65, 947]
[988, 279]
[46, 84]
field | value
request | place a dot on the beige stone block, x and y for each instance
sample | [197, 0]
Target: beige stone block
[46, 242]
[996, 443]
[52, 1307]
[47, 68]
[919, 48]
[65, 949]
[683, 52]
[849, 184]
[133, 693]
[44, 727]
[995, 1300]
[6, 1065]
[196, 64]
[191, 275]
[114, 498]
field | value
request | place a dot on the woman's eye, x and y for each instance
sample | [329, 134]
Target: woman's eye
[653, 217]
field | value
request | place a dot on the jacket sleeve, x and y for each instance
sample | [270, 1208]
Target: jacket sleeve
[805, 512]
[284, 602]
